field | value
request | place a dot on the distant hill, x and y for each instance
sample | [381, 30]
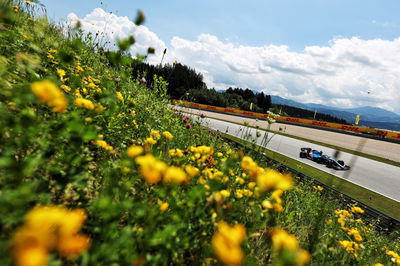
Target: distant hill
[369, 116]
[283, 101]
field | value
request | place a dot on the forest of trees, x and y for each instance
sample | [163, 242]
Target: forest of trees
[180, 78]
[186, 84]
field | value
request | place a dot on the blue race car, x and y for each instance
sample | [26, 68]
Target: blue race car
[319, 157]
[336, 164]
[315, 155]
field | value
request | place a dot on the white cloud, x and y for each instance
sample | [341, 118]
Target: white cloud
[112, 27]
[339, 74]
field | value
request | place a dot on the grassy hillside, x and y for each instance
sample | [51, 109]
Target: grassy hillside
[95, 169]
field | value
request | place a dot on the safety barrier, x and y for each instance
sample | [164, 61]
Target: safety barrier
[355, 129]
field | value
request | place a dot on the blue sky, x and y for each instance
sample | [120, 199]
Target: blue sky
[339, 53]
[255, 22]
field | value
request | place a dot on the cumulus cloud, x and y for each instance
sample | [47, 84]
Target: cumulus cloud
[340, 74]
[111, 28]
[348, 72]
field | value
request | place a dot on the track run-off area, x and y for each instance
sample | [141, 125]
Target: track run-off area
[376, 176]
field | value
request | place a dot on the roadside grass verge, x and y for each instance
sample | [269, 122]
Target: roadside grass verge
[377, 201]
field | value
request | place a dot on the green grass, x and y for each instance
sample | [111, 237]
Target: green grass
[358, 153]
[377, 201]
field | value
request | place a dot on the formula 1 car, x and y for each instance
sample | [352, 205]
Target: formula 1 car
[337, 164]
[316, 156]
[319, 157]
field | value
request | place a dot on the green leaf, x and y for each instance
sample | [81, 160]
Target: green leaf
[140, 18]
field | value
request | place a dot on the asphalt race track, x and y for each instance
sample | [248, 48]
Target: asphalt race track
[378, 148]
[376, 176]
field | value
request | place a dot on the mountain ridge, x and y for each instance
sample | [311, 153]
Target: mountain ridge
[369, 116]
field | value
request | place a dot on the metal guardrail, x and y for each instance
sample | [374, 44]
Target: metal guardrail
[382, 221]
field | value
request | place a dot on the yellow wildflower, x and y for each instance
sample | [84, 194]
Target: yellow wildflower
[79, 68]
[202, 149]
[151, 168]
[91, 85]
[251, 185]
[238, 194]
[163, 205]
[272, 179]
[84, 103]
[349, 245]
[341, 221]
[176, 152]
[61, 73]
[150, 140]
[226, 243]
[239, 180]
[103, 144]
[175, 175]
[225, 193]
[342, 213]
[191, 170]
[49, 228]
[32, 256]
[283, 240]
[356, 235]
[99, 108]
[266, 204]
[72, 245]
[49, 56]
[65, 88]
[248, 163]
[303, 257]
[318, 188]
[28, 2]
[357, 210]
[77, 93]
[49, 93]
[394, 255]
[168, 135]
[155, 133]
[277, 207]
[134, 151]
[120, 97]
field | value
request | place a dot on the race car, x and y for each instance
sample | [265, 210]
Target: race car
[319, 157]
[315, 155]
[337, 164]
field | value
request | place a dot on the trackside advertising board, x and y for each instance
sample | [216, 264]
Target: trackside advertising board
[381, 133]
